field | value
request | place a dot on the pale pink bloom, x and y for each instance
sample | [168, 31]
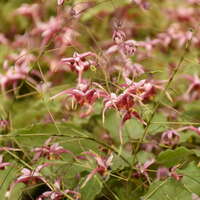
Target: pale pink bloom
[103, 165]
[174, 174]
[162, 173]
[27, 176]
[48, 150]
[4, 124]
[193, 91]
[29, 10]
[84, 96]
[20, 71]
[60, 2]
[142, 169]
[79, 63]
[118, 36]
[170, 138]
[48, 30]
[135, 93]
[58, 194]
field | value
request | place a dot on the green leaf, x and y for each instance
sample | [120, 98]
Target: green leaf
[170, 158]
[191, 177]
[186, 136]
[154, 127]
[133, 129]
[91, 189]
[7, 176]
[112, 124]
[144, 156]
[170, 189]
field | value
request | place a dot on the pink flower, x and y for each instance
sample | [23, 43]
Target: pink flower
[142, 169]
[15, 74]
[162, 173]
[119, 36]
[83, 95]
[79, 64]
[174, 174]
[135, 93]
[48, 30]
[49, 151]
[103, 165]
[29, 10]
[193, 91]
[170, 138]
[58, 194]
[60, 2]
[28, 176]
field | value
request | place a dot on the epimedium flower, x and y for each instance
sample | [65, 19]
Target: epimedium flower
[47, 30]
[84, 96]
[142, 169]
[4, 124]
[29, 10]
[171, 137]
[135, 93]
[103, 165]
[79, 63]
[28, 176]
[58, 194]
[49, 151]
[163, 173]
[193, 91]
[17, 73]
[118, 36]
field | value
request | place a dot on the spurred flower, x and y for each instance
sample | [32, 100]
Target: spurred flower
[58, 194]
[170, 138]
[49, 151]
[28, 176]
[193, 91]
[142, 169]
[79, 63]
[103, 165]
[83, 95]
[134, 94]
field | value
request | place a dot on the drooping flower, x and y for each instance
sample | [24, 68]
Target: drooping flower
[58, 194]
[170, 138]
[103, 165]
[162, 173]
[83, 95]
[142, 169]
[79, 63]
[28, 176]
[193, 91]
[134, 94]
[49, 151]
